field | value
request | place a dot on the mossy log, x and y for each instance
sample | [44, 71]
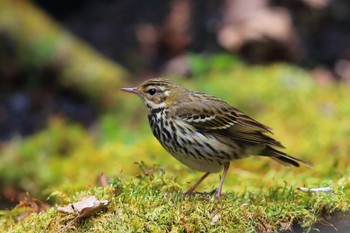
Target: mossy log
[41, 42]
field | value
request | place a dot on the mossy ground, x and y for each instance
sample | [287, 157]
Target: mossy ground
[154, 203]
[312, 121]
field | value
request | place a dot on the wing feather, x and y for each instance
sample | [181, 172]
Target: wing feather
[217, 117]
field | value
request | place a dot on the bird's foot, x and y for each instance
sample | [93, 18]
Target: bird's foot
[189, 193]
[218, 194]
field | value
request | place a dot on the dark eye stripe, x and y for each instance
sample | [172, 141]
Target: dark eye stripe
[158, 90]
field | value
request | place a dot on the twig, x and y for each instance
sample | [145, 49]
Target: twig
[317, 190]
[69, 224]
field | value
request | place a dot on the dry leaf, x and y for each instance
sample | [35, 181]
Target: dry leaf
[86, 207]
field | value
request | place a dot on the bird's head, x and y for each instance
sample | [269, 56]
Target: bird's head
[159, 93]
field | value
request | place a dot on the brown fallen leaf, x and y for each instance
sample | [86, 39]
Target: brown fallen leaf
[84, 208]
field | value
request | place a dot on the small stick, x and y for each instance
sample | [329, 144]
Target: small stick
[316, 190]
[68, 225]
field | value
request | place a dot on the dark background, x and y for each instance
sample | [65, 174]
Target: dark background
[154, 37]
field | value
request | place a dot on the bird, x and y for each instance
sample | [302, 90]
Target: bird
[204, 132]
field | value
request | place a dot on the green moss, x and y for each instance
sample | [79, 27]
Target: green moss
[260, 195]
[154, 202]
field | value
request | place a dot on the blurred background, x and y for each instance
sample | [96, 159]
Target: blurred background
[63, 120]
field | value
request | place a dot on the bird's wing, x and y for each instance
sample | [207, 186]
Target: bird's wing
[217, 117]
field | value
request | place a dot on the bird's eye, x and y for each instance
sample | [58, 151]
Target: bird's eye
[152, 91]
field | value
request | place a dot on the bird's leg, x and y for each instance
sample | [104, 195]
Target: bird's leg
[226, 166]
[191, 190]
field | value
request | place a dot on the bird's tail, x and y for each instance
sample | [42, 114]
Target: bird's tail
[283, 158]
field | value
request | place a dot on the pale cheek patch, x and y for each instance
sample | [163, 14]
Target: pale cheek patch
[153, 105]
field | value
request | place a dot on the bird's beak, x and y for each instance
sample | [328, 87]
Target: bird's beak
[131, 90]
